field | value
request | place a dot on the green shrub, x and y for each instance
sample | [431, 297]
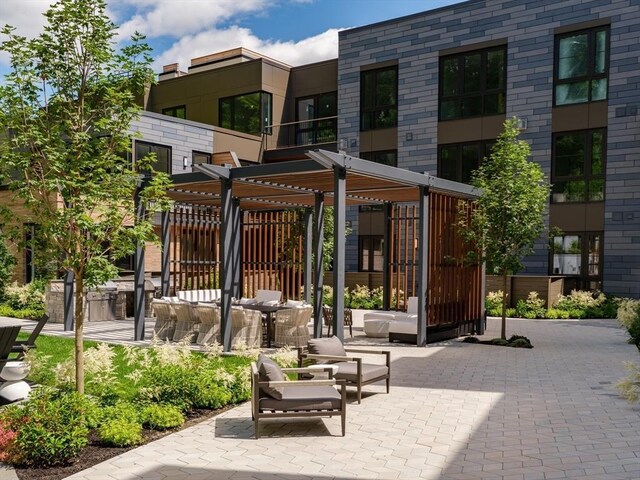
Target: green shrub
[51, 427]
[121, 410]
[554, 313]
[629, 318]
[25, 297]
[520, 343]
[583, 304]
[629, 387]
[161, 417]
[511, 312]
[493, 304]
[532, 307]
[28, 313]
[120, 433]
[470, 340]
[7, 262]
[499, 341]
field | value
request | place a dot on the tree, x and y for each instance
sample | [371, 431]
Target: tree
[508, 217]
[67, 104]
[7, 262]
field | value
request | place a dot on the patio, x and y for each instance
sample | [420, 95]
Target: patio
[551, 412]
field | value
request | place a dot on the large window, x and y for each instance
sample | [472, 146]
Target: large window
[250, 113]
[379, 98]
[386, 157]
[200, 158]
[578, 255]
[472, 84]
[371, 253]
[162, 152]
[178, 112]
[308, 111]
[582, 64]
[458, 161]
[578, 166]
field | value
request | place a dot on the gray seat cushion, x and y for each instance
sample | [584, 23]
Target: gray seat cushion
[269, 371]
[349, 371]
[304, 398]
[326, 346]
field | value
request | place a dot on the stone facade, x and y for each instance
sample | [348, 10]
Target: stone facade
[528, 28]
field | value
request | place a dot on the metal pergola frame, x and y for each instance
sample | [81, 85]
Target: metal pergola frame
[326, 178]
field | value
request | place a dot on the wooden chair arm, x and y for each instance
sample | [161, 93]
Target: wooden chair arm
[299, 383]
[361, 350]
[305, 370]
[335, 358]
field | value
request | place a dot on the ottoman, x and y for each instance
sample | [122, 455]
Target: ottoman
[377, 324]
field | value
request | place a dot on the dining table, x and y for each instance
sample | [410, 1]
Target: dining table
[269, 317]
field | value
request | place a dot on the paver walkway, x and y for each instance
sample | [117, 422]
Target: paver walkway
[456, 411]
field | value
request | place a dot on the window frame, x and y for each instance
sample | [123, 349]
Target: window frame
[370, 250]
[373, 153]
[460, 81]
[154, 144]
[591, 45]
[376, 107]
[168, 111]
[587, 175]
[314, 128]
[206, 154]
[484, 145]
[584, 278]
[264, 129]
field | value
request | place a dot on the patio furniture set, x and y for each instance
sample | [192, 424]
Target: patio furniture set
[196, 316]
[273, 396]
[399, 326]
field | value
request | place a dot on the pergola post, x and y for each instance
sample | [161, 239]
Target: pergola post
[308, 253]
[165, 268]
[318, 270]
[482, 321]
[138, 276]
[227, 248]
[237, 250]
[339, 244]
[423, 258]
[68, 301]
[386, 256]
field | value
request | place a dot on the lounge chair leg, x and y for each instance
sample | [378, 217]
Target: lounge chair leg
[388, 381]
[255, 427]
[359, 394]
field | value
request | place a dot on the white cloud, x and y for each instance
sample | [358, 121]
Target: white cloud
[313, 49]
[176, 18]
[25, 15]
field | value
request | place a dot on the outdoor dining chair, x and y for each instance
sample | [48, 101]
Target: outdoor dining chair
[327, 317]
[246, 327]
[165, 325]
[208, 316]
[187, 324]
[291, 326]
[268, 297]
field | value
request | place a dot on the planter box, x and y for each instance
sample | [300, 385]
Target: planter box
[519, 286]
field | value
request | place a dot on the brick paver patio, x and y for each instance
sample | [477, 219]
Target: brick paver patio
[456, 411]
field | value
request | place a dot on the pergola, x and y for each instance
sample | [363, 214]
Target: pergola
[326, 178]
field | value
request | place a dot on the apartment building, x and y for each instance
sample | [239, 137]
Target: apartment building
[429, 92]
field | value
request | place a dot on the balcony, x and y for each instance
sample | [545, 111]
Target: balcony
[289, 141]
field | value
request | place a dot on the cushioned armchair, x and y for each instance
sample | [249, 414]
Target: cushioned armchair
[350, 368]
[273, 396]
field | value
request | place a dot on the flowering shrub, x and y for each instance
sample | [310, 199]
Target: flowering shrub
[532, 307]
[7, 436]
[493, 303]
[29, 296]
[629, 387]
[629, 318]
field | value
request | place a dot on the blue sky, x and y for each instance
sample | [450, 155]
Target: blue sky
[293, 31]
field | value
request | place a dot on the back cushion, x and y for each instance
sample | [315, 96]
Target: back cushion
[326, 346]
[269, 371]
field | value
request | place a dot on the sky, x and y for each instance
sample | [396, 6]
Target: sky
[295, 32]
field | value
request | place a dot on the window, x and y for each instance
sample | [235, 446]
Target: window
[458, 161]
[582, 63]
[379, 98]
[162, 152]
[178, 112]
[371, 253]
[313, 108]
[579, 255]
[578, 166]
[386, 157]
[250, 113]
[198, 158]
[473, 84]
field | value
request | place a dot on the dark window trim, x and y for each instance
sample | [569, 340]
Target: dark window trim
[585, 237]
[198, 152]
[153, 144]
[587, 175]
[174, 108]
[591, 56]
[377, 107]
[264, 129]
[361, 239]
[483, 70]
[314, 123]
[485, 145]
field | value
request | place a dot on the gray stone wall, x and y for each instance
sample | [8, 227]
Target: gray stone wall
[528, 27]
[183, 136]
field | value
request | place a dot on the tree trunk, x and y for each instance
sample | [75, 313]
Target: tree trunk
[79, 324]
[503, 331]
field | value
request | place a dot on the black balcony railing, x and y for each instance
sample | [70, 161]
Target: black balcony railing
[318, 131]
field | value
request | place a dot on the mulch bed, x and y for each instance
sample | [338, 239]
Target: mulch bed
[95, 453]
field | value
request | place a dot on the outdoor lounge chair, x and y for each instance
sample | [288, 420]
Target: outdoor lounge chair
[22, 346]
[351, 369]
[272, 396]
[291, 326]
[8, 337]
